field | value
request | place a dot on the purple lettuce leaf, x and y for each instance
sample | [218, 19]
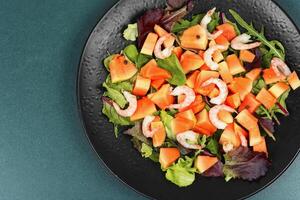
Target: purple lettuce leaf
[257, 60]
[268, 126]
[215, 171]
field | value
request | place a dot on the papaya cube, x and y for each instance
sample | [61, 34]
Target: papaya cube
[250, 103]
[161, 32]
[163, 98]
[159, 135]
[261, 147]
[254, 136]
[234, 64]
[247, 56]
[188, 114]
[233, 100]
[192, 79]
[201, 78]
[214, 93]
[246, 119]
[225, 116]
[144, 107]
[293, 80]
[278, 89]
[149, 44]
[179, 125]
[254, 74]
[194, 37]
[241, 85]
[121, 69]
[229, 136]
[141, 86]
[167, 156]
[190, 61]
[222, 40]
[203, 125]
[157, 83]
[228, 31]
[203, 163]
[266, 98]
[178, 52]
[224, 72]
[239, 130]
[270, 76]
[152, 71]
[217, 55]
[196, 106]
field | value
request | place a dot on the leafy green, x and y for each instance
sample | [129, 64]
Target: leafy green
[131, 53]
[113, 116]
[213, 146]
[202, 140]
[141, 60]
[281, 100]
[167, 119]
[172, 112]
[116, 130]
[215, 19]
[183, 24]
[120, 86]
[172, 65]
[115, 95]
[275, 47]
[146, 150]
[258, 85]
[131, 32]
[137, 134]
[107, 60]
[263, 112]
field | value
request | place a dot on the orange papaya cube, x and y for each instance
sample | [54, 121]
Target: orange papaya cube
[178, 52]
[152, 71]
[149, 96]
[239, 130]
[167, 156]
[141, 86]
[201, 53]
[149, 44]
[188, 114]
[144, 107]
[247, 56]
[192, 79]
[217, 55]
[121, 69]
[201, 78]
[222, 40]
[250, 103]
[266, 98]
[157, 83]
[179, 125]
[161, 32]
[293, 80]
[203, 163]
[196, 106]
[253, 74]
[278, 89]
[254, 136]
[225, 116]
[270, 76]
[241, 85]
[159, 135]
[234, 64]
[225, 73]
[203, 125]
[233, 100]
[246, 119]
[229, 136]
[228, 31]
[261, 147]
[194, 37]
[190, 61]
[163, 98]
[214, 93]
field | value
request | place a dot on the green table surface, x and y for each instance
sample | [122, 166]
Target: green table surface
[44, 153]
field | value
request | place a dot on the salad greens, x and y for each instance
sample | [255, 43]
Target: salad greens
[167, 119]
[131, 32]
[131, 52]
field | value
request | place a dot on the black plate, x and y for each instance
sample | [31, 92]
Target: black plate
[123, 160]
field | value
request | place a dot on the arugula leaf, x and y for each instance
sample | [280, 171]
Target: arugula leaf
[113, 116]
[142, 59]
[185, 24]
[115, 95]
[131, 52]
[215, 19]
[281, 100]
[276, 48]
[107, 60]
[172, 65]
[258, 85]
[167, 119]
[120, 86]
[263, 112]
[131, 32]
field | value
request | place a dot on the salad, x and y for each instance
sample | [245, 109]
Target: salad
[198, 95]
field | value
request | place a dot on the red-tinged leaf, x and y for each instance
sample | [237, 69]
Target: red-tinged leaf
[215, 171]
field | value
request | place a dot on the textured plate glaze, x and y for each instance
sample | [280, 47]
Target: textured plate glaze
[118, 154]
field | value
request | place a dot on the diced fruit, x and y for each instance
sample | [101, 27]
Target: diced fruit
[293, 80]
[247, 56]
[254, 136]
[266, 98]
[190, 61]
[229, 136]
[178, 52]
[246, 119]
[278, 89]
[121, 69]
[217, 55]
[203, 163]
[234, 64]
[254, 74]
[149, 44]
[201, 53]
[228, 31]
[250, 103]
[141, 86]
[196, 106]
[144, 107]
[214, 93]
[222, 40]
[203, 125]
[202, 77]
[241, 85]
[192, 79]
[157, 83]
[163, 98]
[159, 135]
[194, 37]
[179, 125]
[161, 32]
[167, 156]
[233, 100]
[188, 114]
[224, 72]
[225, 116]
[149, 96]
[261, 147]
[238, 129]
[270, 76]
[152, 71]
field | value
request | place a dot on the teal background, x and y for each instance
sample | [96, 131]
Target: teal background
[44, 153]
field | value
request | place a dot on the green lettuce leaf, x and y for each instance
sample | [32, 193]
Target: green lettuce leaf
[113, 116]
[115, 95]
[148, 152]
[167, 119]
[172, 65]
[141, 60]
[107, 60]
[120, 86]
[131, 53]
[183, 24]
[131, 32]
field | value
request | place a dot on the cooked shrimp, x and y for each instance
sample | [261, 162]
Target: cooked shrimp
[227, 147]
[188, 139]
[243, 139]
[205, 21]
[223, 91]
[280, 67]
[241, 42]
[130, 109]
[161, 54]
[208, 56]
[213, 115]
[189, 96]
[147, 132]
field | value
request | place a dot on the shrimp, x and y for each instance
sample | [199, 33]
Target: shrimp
[208, 56]
[189, 96]
[161, 54]
[240, 42]
[188, 139]
[206, 20]
[243, 139]
[146, 126]
[223, 91]
[213, 115]
[130, 109]
[280, 67]
[227, 147]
